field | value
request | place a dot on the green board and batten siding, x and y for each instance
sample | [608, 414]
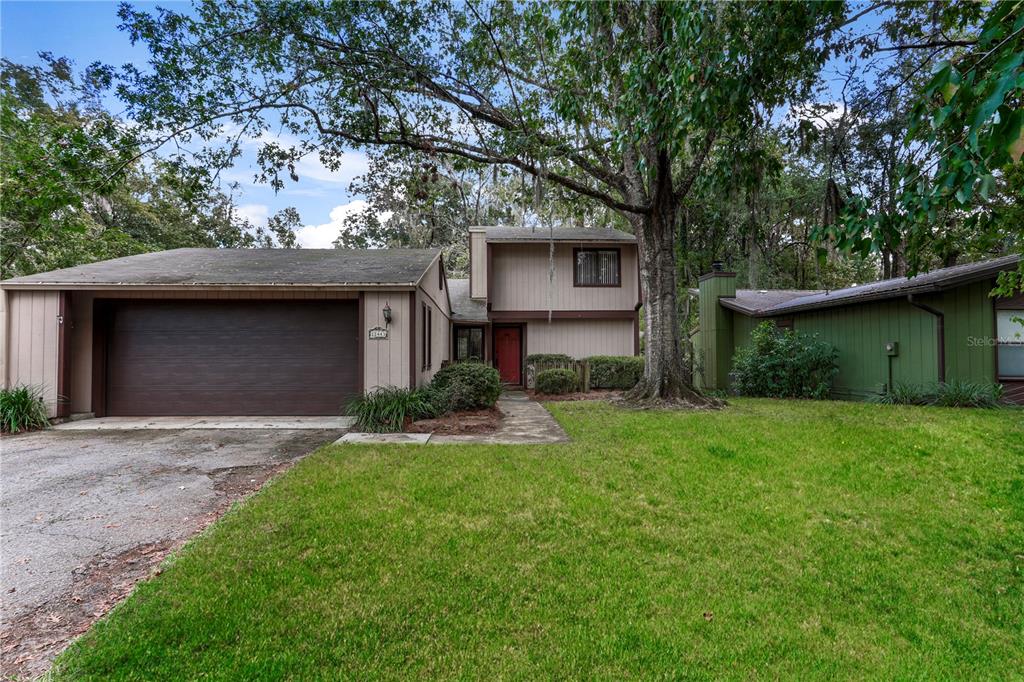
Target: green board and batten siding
[715, 347]
[860, 332]
[743, 326]
[970, 321]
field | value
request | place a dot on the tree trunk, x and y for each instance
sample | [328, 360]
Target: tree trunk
[664, 379]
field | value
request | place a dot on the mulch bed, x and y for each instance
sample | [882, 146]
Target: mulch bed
[596, 394]
[487, 420]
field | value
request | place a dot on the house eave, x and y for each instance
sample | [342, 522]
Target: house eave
[124, 286]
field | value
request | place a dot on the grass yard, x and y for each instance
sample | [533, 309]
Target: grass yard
[772, 539]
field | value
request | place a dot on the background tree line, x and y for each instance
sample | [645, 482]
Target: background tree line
[76, 188]
[708, 129]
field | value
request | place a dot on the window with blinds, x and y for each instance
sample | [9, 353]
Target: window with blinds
[597, 268]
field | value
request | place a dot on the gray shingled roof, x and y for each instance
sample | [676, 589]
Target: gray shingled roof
[752, 301]
[464, 308]
[562, 234]
[318, 267]
[933, 281]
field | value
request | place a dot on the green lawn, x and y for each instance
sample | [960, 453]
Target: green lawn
[771, 539]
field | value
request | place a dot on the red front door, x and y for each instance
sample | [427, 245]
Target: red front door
[508, 352]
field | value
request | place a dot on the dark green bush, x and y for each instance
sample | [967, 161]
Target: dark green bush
[557, 381]
[614, 371]
[468, 385]
[542, 358]
[784, 364]
[22, 409]
[387, 409]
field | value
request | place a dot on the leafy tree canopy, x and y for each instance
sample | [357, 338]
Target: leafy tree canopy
[958, 179]
[76, 190]
[618, 103]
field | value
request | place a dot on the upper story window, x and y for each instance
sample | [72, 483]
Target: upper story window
[597, 268]
[1010, 349]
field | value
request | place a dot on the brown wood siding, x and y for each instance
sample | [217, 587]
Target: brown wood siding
[477, 265]
[432, 310]
[231, 358]
[520, 280]
[386, 361]
[32, 340]
[63, 354]
[581, 338]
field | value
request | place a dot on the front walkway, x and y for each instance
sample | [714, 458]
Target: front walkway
[526, 422]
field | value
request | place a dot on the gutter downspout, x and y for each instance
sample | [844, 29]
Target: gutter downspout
[940, 332]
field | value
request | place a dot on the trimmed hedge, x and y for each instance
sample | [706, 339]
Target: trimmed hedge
[468, 385]
[615, 371]
[557, 381]
[539, 358]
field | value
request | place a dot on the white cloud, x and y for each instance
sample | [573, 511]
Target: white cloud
[820, 114]
[323, 236]
[310, 167]
[352, 164]
[255, 213]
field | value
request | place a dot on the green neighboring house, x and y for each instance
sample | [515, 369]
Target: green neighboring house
[939, 326]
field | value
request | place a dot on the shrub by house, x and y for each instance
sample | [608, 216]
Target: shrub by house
[557, 381]
[468, 385]
[611, 371]
[784, 364]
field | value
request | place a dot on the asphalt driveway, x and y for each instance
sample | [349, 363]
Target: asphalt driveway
[86, 514]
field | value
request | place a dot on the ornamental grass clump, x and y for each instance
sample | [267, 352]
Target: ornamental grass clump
[954, 393]
[386, 410]
[22, 409]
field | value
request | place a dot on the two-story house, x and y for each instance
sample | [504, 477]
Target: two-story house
[570, 291]
[300, 332]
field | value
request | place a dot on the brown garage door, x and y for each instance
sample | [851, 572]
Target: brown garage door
[230, 357]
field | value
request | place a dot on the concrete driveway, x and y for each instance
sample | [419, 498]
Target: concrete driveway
[86, 514]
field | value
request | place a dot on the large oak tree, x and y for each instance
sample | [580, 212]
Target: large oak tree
[617, 102]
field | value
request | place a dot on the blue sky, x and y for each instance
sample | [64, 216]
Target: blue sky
[87, 31]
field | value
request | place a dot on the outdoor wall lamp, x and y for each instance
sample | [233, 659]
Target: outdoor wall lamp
[387, 313]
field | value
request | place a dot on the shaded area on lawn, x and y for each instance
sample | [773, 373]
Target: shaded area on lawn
[768, 539]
